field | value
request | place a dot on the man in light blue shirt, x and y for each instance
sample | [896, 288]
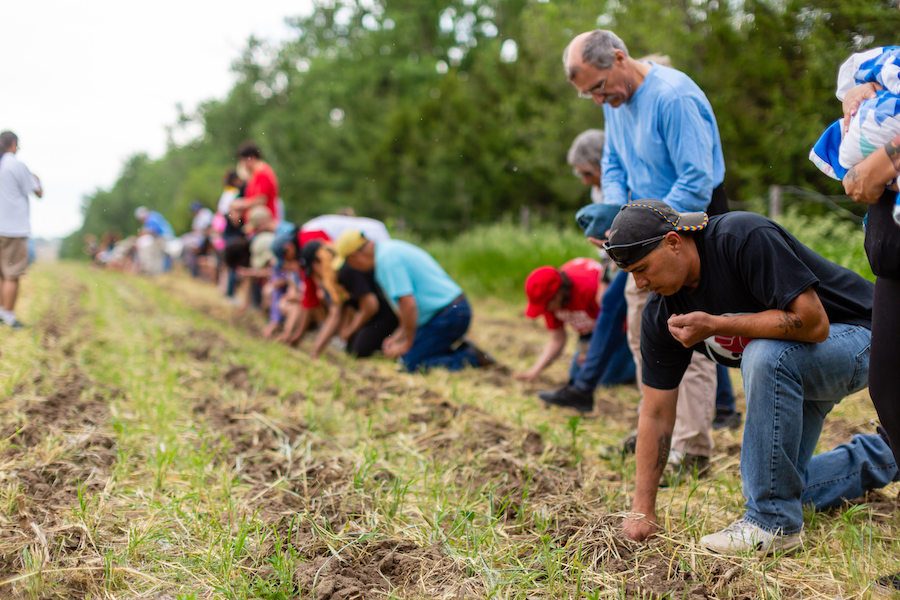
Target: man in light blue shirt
[662, 139]
[433, 312]
[662, 143]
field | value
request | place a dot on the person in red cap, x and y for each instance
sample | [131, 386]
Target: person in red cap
[571, 294]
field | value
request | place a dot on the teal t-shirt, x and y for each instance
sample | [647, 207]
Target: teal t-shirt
[402, 269]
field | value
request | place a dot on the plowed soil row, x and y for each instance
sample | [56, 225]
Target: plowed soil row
[185, 456]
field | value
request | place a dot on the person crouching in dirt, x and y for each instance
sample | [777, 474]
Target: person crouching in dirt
[287, 301]
[572, 294]
[432, 309]
[743, 291]
[357, 310]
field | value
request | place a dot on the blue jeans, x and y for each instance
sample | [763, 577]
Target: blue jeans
[724, 391]
[435, 338]
[790, 387]
[608, 360]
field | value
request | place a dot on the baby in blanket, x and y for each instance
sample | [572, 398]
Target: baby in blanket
[876, 122]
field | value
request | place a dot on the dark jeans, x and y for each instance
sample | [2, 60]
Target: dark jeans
[435, 339]
[724, 391]
[608, 360]
[370, 336]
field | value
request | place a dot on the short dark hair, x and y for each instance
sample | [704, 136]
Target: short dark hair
[230, 176]
[237, 253]
[248, 149]
[7, 139]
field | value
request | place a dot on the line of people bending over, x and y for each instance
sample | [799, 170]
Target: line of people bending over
[697, 290]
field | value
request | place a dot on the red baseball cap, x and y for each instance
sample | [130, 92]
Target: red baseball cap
[540, 287]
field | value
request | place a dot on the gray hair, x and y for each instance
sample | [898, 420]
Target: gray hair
[7, 139]
[587, 149]
[598, 50]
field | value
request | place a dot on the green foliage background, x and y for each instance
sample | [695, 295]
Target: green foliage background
[405, 110]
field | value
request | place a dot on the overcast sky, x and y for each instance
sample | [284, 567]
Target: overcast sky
[86, 84]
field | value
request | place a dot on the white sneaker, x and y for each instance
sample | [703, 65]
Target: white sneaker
[742, 537]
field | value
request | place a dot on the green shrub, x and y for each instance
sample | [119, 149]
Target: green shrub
[494, 260]
[836, 239]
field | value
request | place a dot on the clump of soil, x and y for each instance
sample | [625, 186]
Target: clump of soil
[201, 344]
[64, 410]
[370, 570]
[256, 444]
[237, 377]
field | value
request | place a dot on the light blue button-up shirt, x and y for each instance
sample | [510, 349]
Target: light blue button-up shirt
[663, 144]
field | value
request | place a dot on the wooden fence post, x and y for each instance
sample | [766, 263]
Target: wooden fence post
[775, 202]
[525, 218]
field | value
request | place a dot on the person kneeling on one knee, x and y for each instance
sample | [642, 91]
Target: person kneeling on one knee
[742, 290]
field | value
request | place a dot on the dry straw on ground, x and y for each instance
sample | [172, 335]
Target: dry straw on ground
[152, 447]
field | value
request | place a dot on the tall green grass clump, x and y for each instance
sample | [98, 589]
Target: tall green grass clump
[494, 260]
[836, 239]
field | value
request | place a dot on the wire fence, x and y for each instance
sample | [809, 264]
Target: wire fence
[777, 194]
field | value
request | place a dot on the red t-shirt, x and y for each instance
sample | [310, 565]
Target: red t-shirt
[263, 181]
[582, 309]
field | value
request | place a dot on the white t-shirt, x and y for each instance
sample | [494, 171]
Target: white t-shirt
[16, 182]
[202, 220]
[228, 196]
[334, 225]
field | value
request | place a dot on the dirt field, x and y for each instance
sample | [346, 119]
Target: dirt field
[151, 446]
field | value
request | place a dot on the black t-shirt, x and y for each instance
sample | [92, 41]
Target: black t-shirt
[358, 284]
[748, 264]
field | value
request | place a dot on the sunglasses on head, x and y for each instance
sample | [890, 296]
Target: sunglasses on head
[626, 254]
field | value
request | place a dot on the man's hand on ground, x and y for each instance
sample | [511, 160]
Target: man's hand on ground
[395, 346]
[692, 328]
[639, 529]
[269, 330]
[525, 376]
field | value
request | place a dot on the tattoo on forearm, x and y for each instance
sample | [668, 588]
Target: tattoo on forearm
[665, 443]
[893, 151]
[853, 175]
[789, 322]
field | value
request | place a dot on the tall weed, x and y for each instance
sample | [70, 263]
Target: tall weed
[836, 239]
[494, 260]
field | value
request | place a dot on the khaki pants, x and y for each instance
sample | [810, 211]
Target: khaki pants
[697, 392]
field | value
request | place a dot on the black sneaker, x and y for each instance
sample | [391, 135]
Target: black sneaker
[570, 396]
[887, 585]
[15, 324]
[726, 419]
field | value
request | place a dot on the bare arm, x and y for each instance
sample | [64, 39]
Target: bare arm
[368, 306]
[653, 443]
[865, 181]
[329, 328]
[804, 320]
[400, 342]
[306, 318]
[551, 352]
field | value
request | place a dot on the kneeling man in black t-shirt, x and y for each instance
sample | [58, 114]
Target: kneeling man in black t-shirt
[746, 293]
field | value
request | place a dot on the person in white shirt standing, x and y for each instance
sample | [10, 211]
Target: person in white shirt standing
[16, 183]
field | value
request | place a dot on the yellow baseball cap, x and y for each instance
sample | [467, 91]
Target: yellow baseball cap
[349, 242]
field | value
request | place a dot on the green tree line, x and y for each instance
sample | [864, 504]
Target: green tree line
[450, 113]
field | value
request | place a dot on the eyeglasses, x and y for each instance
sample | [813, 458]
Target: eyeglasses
[626, 254]
[600, 88]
